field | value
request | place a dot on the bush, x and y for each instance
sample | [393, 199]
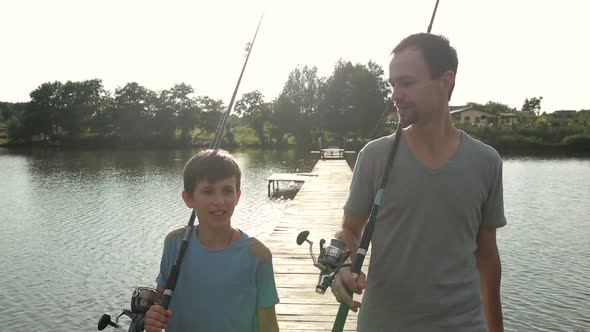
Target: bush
[578, 141]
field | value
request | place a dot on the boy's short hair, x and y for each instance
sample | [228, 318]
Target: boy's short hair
[211, 165]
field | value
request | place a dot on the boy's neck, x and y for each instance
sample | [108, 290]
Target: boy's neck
[216, 239]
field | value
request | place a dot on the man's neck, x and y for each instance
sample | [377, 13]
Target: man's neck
[434, 141]
[434, 133]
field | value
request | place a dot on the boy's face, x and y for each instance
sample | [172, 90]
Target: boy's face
[214, 202]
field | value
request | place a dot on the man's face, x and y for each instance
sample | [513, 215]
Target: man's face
[415, 94]
[214, 202]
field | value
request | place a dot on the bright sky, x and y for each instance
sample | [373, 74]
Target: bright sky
[508, 50]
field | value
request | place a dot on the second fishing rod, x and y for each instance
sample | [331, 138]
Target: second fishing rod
[332, 258]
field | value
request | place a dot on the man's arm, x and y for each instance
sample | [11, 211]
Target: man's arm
[490, 275]
[267, 319]
[351, 232]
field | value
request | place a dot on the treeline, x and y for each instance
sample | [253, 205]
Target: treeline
[345, 109]
[346, 104]
[533, 139]
[535, 131]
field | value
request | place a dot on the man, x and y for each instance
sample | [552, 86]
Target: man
[434, 263]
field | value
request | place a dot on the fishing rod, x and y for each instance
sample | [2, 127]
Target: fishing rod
[144, 297]
[225, 118]
[334, 256]
[390, 102]
[368, 230]
[175, 272]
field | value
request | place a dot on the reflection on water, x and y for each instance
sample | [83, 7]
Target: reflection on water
[81, 229]
[546, 246]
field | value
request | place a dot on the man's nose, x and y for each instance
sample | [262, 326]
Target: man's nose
[397, 95]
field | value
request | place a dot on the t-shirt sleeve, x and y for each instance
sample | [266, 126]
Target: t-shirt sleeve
[165, 263]
[266, 290]
[360, 196]
[493, 208]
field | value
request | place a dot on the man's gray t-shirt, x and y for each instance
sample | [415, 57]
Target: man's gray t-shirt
[423, 274]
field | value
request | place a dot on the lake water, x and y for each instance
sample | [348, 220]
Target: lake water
[79, 230]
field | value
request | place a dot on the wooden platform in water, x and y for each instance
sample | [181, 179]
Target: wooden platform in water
[317, 207]
[276, 178]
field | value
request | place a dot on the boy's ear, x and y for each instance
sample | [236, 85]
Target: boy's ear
[239, 194]
[188, 200]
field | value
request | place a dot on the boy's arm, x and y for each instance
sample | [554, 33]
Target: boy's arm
[266, 291]
[490, 274]
[267, 320]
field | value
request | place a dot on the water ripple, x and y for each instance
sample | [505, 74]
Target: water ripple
[81, 229]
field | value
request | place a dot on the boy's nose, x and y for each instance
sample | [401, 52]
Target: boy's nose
[218, 199]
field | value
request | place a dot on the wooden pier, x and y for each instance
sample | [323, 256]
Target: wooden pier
[317, 207]
[332, 153]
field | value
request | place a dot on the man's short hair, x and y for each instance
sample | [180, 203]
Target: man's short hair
[211, 165]
[437, 51]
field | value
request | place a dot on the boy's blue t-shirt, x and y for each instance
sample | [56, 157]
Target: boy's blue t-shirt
[218, 290]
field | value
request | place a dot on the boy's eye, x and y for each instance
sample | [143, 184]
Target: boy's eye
[228, 191]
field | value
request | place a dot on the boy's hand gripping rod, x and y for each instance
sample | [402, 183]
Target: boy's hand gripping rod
[368, 231]
[175, 271]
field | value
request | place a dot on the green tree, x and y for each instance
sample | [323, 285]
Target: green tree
[134, 111]
[492, 107]
[583, 118]
[8, 110]
[13, 114]
[43, 111]
[256, 112]
[210, 113]
[79, 103]
[104, 117]
[176, 109]
[296, 109]
[532, 106]
[355, 98]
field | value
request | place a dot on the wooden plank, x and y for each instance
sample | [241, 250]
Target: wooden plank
[297, 177]
[317, 207]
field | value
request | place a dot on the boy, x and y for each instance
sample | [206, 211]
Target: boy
[226, 281]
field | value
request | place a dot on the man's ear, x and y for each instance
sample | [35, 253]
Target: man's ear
[188, 200]
[448, 80]
[238, 195]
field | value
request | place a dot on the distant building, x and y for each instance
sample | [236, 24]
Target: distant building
[3, 132]
[479, 117]
[508, 119]
[561, 118]
[473, 116]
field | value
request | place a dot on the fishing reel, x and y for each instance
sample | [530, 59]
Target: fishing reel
[330, 260]
[141, 301]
